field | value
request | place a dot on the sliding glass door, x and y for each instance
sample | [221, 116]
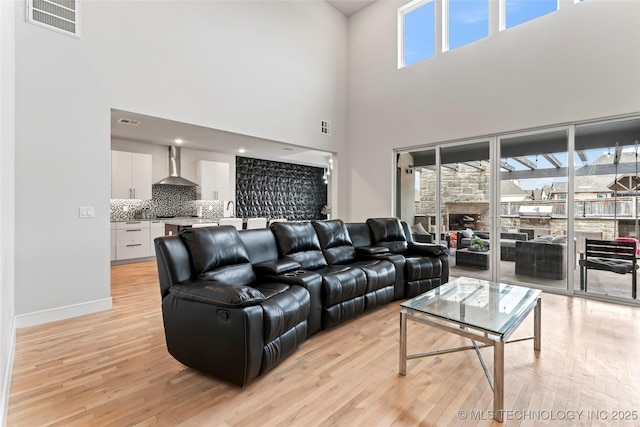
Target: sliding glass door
[465, 176]
[607, 183]
[535, 248]
[518, 208]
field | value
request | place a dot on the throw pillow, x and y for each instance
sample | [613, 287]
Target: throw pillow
[468, 233]
[559, 239]
[418, 229]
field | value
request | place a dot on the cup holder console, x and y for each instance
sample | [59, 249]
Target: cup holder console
[295, 273]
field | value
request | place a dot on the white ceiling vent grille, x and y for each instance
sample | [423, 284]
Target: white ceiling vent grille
[128, 122]
[56, 15]
[325, 127]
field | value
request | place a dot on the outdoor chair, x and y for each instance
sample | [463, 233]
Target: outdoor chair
[617, 256]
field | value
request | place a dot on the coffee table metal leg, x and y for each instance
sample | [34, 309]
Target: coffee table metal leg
[498, 380]
[537, 325]
[403, 344]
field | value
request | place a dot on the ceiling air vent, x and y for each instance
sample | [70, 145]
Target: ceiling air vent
[128, 122]
[325, 127]
[56, 15]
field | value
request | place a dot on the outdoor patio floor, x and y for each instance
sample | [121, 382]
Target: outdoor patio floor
[600, 282]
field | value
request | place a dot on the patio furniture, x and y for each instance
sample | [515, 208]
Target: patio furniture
[610, 255]
[472, 259]
[507, 242]
[544, 257]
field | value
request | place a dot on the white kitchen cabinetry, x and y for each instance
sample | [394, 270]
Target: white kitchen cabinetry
[156, 229]
[113, 241]
[213, 179]
[130, 175]
[132, 239]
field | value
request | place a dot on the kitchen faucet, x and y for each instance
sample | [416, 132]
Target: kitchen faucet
[230, 203]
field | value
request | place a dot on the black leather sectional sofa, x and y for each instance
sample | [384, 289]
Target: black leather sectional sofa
[236, 303]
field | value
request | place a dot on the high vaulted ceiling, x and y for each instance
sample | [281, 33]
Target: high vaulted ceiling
[349, 7]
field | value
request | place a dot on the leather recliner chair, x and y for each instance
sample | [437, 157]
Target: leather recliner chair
[343, 286]
[338, 250]
[426, 265]
[263, 252]
[218, 318]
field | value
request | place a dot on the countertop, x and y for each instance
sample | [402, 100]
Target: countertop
[186, 220]
[189, 221]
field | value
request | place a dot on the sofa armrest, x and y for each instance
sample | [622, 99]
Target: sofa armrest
[427, 249]
[277, 267]
[217, 294]
[422, 238]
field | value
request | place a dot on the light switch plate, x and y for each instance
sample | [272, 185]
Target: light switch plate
[87, 212]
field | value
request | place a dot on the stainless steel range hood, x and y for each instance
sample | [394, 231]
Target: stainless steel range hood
[174, 177]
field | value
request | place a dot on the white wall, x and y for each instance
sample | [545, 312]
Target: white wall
[266, 69]
[7, 201]
[579, 63]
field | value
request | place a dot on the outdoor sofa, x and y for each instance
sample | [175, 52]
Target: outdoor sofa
[507, 241]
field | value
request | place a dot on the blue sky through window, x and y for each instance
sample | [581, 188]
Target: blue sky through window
[468, 21]
[419, 33]
[519, 11]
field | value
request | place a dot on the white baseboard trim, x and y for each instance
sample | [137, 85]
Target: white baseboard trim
[61, 313]
[6, 383]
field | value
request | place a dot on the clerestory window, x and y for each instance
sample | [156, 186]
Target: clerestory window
[520, 11]
[416, 22]
[468, 21]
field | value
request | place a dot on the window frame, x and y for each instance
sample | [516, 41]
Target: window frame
[402, 12]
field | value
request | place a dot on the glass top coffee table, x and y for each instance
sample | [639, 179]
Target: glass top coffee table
[485, 312]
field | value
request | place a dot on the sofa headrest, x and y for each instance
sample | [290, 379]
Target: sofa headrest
[388, 232]
[335, 241]
[260, 244]
[215, 252]
[359, 233]
[298, 241]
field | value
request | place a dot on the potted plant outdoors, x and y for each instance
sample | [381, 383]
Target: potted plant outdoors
[477, 244]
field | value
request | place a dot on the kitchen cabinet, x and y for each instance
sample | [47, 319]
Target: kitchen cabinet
[156, 229]
[213, 179]
[132, 239]
[130, 175]
[113, 241]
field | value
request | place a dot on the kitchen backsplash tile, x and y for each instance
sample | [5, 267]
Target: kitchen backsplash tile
[167, 200]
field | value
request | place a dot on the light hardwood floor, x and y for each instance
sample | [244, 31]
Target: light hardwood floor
[112, 369]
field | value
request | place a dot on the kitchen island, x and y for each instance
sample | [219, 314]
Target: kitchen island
[173, 226]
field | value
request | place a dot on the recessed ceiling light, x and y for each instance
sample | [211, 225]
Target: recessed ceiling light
[178, 141]
[241, 150]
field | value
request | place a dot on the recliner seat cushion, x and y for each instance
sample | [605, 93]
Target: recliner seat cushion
[341, 283]
[418, 268]
[379, 273]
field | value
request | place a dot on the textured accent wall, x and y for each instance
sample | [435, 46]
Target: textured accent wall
[271, 189]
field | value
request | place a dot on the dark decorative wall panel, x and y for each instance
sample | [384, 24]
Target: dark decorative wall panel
[279, 190]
